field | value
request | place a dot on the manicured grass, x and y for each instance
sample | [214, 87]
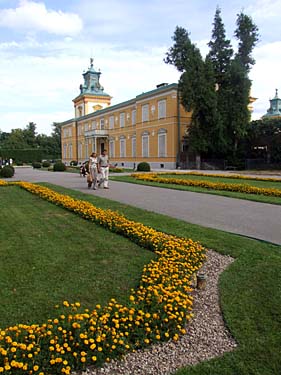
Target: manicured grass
[250, 291]
[49, 255]
[252, 197]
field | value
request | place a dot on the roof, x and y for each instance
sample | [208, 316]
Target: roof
[160, 89]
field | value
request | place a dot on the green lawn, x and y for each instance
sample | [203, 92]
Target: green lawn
[49, 254]
[252, 197]
[250, 289]
[250, 292]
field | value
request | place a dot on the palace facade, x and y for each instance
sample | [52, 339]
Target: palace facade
[149, 127]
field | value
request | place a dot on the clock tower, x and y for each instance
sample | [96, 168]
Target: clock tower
[92, 96]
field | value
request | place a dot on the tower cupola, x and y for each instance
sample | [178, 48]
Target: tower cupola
[92, 96]
[275, 107]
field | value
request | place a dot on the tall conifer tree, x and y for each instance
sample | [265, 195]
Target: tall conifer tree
[220, 48]
[248, 36]
[197, 89]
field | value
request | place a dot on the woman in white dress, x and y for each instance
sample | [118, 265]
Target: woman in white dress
[93, 169]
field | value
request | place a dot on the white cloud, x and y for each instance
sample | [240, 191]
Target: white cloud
[41, 89]
[263, 9]
[30, 15]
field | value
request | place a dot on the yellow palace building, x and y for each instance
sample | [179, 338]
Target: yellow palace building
[149, 127]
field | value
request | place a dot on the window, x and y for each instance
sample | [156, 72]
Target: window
[145, 115]
[86, 127]
[122, 147]
[162, 143]
[79, 130]
[111, 148]
[145, 144]
[102, 123]
[134, 115]
[67, 132]
[64, 151]
[134, 150]
[162, 109]
[94, 125]
[80, 151]
[87, 148]
[122, 120]
[111, 122]
[70, 151]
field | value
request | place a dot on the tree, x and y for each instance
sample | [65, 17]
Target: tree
[197, 89]
[234, 100]
[265, 139]
[220, 56]
[15, 140]
[56, 135]
[248, 36]
[29, 134]
[221, 51]
[220, 118]
[239, 82]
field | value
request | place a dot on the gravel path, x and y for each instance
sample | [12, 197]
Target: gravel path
[207, 335]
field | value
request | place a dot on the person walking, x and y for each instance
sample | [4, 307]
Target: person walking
[103, 169]
[93, 169]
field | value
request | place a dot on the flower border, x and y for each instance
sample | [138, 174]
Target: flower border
[157, 311]
[240, 188]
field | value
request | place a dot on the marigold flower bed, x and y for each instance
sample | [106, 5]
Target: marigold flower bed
[241, 188]
[158, 310]
[231, 176]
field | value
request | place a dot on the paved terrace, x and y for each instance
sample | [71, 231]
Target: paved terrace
[252, 219]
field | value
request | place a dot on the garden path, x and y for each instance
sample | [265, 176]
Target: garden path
[247, 218]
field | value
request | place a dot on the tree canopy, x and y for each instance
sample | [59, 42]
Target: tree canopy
[216, 88]
[27, 138]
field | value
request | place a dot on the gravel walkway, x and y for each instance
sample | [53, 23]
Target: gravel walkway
[207, 335]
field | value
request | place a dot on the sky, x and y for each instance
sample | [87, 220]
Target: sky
[45, 46]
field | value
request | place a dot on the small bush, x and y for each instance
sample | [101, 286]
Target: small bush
[36, 164]
[46, 164]
[143, 167]
[73, 163]
[7, 171]
[59, 167]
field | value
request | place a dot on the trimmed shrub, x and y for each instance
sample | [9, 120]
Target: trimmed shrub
[36, 164]
[46, 164]
[143, 167]
[7, 171]
[73, 163]
[59, 167]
